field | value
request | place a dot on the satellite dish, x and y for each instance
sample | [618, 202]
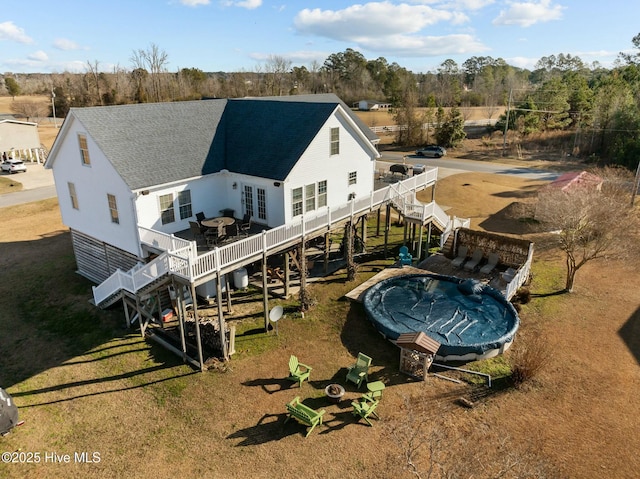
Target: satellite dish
[276, 313]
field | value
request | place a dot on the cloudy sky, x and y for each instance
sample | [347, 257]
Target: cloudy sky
[234, 35]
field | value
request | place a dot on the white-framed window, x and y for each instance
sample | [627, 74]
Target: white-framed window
[113, 208]
[353, 177]
[335, 141]
[296, 201]
[322, 193]
[310, 197]
[73, 195]
[84, 149]
[167, 212]
[262, 203]
[184, 204]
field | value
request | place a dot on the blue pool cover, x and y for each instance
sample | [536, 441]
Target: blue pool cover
[463, 315]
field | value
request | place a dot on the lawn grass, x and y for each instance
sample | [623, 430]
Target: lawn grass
[9, 185]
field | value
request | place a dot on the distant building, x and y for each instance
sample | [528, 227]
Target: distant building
[372, 105]
[20, 140]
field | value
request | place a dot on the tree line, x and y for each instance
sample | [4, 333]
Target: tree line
[599, 107]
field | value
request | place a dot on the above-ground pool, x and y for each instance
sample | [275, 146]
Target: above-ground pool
[470, 320]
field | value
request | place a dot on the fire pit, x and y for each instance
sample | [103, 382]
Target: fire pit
[334, 392]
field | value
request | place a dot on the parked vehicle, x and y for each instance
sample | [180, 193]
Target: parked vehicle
[13, 166]
[433, 151]
[417, 169]
[400, 168]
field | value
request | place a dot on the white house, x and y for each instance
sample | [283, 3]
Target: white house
[20, 139]
[120, 169]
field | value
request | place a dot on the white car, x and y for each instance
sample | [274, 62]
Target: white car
[13, 166]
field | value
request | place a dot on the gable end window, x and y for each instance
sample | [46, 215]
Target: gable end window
[335, 141]
[113, 208]
[73, 196]
[353, 177]
[84, 149]
[167, 212]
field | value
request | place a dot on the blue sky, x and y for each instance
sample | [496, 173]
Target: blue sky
[240, 35]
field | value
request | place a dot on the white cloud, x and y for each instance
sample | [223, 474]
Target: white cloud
[248, 4]
[302, 57]
[371, 20]
[456, 4]
[194, 3]
[389, 29]
[38, 56]
[529, 13]
[9, 31]
[65, 44]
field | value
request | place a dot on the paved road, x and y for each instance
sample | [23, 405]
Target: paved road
[37, 184]
[448, 166]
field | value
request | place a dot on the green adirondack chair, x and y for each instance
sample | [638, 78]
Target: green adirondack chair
[365, 407]
[298, 372]
[359, 372]
[304, 414]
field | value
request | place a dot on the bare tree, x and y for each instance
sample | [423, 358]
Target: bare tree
[592, 222]
[30, 109]
[93, 74]
[277, 69]
[154, 61]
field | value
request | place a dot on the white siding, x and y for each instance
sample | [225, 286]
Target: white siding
[92, 183]
[317, 164]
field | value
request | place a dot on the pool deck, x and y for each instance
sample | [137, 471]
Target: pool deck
[437, 264]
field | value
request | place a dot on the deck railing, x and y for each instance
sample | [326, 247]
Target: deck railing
[181, 256]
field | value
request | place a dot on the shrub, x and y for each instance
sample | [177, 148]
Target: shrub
[530, 356]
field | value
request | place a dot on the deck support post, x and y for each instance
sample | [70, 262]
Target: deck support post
[197, 320]
[265, 289]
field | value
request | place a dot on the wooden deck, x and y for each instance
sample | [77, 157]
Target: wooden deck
[438, 264]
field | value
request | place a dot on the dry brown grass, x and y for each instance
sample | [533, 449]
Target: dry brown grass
[101, 388]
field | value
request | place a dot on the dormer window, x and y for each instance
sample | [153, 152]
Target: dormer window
[335, 141]
[84, 149]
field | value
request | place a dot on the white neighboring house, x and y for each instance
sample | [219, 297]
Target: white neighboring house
[118, 168]
[20, 140]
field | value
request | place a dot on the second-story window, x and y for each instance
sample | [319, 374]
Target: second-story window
[353, 177]
[73, 195]
[335, 141]
[113, 208]
[296, 201]
[322, 193]
[84, 149]
[184, 203]
[167, 212]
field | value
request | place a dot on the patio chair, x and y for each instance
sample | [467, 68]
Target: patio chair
[491, 263]
[232, 231]
[245, 224]
[196, 230]
[365, 407]
[477, 256]
[404, 257]
[359, 372]
[462, 255]
[298, 372]
[214, 236]
[200, 216]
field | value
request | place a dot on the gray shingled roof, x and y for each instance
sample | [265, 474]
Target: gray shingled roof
[157, 143]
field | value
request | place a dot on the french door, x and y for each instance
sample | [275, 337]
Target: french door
[254, 202]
